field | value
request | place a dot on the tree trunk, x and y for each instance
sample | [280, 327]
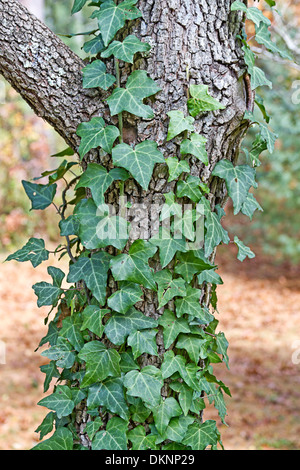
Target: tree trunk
[193, 42]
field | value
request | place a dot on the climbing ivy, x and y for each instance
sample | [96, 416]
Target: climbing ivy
[98, 338]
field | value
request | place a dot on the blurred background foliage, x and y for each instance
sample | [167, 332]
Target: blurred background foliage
[26, 144]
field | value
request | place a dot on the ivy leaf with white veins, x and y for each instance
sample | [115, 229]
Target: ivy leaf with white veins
[172, 364]
[190, 264]
[168, 288]
[193, 345]
[114, 436]
[178, 427]
[185, 395]
[202, 101]
[119, 326]
[140, 161]
[111, 17]
[93, 271]
[238, 179]
[250, 206]
[40, 195]
[258, 76]
[141, 441]
[191, 188]
[71, 331]
[128, 295]
[34, 251]
[138, 87]
[244, 251]
[97, 228]
[170, 207]
[215, 233]
[210, 276]
[195, 145]
[100, 366]
[168, 409]
[97, 178]
[176, 168]
[46, 293]
[127, 49]
[143, 342]
[263, 36]
[200, 436]
[134, 266]
[172, 327]
[95, 134]
[222, 347]
[61, 401]
[168, 246]
[178, 124]
[93, 319]
[146, 384]
[62, 439]
[252, 13]
[94, 76]
[190, 305]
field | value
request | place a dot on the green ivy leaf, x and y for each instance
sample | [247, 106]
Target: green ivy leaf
[195, 145]
[94, 46]
[141, 441]
[258, 76]
[109, 394]
[61, 401]
[168, 288]
[252, 13]
[78, 5]
[140, 161]
[100, 365]
[172, 326]
[34, 251]
[171, 207]
[193, 345]
[127, 49]
[51, 371]
[99, 229]
[168, 409]
[62, 439]
[263, 36]
[130, 99]
[200, 436]
[133, 266]
[143, 342]
[114, 436]
[222, 347]
[138, 410]
[215, 233]
[97, 178]
[93, 319]
[92, 427]
[210, 276]
[71, 331]
[95, 134]
[94, 272]
[250, 206]
[191, 264]
[176, 168]
[94, 75]
[69, 226]
[244, 251]
[119, 326]
[191, 305]
[127, 362]
[202, 101]
[46, 426]
[178, 427]
[191, 188]
[145, 384]
[111, 17]
[185, 396]
[62, 353]
[239, 180]
[41, 195]
[168, 246]
[172, 364]
[178, 124]
[128, 295]
[46, 293]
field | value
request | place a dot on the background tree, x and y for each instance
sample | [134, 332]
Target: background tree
[197, 70]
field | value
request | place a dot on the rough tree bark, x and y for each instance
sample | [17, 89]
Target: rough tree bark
[193, 41]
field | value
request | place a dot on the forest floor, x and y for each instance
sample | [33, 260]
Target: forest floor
[259, 313]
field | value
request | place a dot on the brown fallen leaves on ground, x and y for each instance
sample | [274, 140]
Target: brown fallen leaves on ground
[259, 313]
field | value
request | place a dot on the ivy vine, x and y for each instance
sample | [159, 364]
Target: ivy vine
[97, 340]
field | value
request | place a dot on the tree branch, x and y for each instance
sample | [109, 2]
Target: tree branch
[46, 73]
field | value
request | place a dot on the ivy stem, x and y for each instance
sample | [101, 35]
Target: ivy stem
[120, 115]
